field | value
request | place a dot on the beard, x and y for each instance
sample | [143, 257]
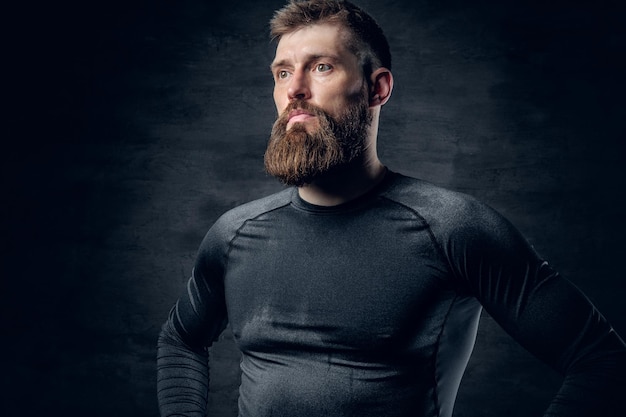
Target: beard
[297, 157]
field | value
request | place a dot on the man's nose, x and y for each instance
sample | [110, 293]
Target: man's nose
[298, 87]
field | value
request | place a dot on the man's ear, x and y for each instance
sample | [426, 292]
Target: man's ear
[381, 86]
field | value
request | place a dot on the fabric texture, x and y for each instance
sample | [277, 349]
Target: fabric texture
[371, 308]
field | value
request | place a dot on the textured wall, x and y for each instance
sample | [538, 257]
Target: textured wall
[137, 123]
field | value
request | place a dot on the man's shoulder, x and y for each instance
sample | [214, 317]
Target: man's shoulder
[255, 208]
[425, 197]
[226, 226]
[442, 208]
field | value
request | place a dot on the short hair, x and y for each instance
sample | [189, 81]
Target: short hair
[367, 40]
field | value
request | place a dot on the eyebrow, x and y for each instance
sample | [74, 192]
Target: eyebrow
[313, 57]
[278, 64]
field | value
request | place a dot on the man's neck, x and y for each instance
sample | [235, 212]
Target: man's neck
[345, 184]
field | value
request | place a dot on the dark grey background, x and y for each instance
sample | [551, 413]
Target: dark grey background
[137, 123]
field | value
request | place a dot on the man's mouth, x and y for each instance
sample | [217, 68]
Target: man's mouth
[299, 115]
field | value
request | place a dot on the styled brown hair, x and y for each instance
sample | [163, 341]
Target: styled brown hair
[367, 40]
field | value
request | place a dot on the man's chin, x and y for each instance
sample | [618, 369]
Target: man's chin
[309, 126]
[297, 181]
[305, 176]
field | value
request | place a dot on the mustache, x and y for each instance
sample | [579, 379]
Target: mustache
[298, 157]
[302, 105]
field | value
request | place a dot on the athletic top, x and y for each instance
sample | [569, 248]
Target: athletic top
[371, 308]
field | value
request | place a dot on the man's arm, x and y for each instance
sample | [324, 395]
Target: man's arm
[182, 375]
[197, 319]
[543, 312]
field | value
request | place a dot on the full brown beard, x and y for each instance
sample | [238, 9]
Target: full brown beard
[297, 157]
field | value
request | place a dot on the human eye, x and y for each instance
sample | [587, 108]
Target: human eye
[323, 67]
[281, 74]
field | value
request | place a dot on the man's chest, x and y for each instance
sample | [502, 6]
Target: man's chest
[357, 285]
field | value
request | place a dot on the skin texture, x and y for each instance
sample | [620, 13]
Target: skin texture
[313, 64]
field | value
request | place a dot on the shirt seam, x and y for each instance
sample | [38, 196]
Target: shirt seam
[429, 230]
[238, 231]
[436, 356]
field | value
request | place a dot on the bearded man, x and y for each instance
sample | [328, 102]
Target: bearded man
[357, 291]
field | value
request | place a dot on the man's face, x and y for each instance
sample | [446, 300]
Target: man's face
[322, 102]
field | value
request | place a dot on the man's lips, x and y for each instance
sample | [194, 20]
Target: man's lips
[299, 115]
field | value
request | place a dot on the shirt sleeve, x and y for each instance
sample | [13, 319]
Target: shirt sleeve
[197, 319]
[543, 312]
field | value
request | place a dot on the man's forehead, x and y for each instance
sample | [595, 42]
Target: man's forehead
[325, 39]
